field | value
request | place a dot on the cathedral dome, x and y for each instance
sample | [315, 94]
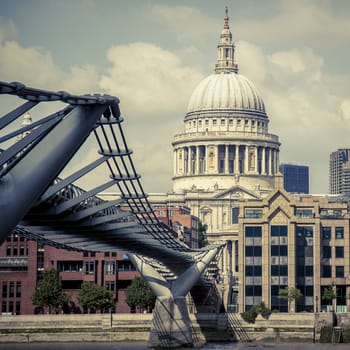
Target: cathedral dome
[229, 92]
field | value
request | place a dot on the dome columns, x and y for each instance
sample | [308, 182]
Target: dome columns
[226, 159]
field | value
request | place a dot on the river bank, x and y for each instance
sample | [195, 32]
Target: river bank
[206, 328]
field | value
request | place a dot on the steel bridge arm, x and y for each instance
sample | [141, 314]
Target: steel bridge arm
[35, 171]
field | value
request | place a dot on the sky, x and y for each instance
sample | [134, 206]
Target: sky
[152, 54]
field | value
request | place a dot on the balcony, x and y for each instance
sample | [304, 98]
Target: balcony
[232, 135]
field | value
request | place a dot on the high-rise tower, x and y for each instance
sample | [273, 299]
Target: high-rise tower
[339, 171]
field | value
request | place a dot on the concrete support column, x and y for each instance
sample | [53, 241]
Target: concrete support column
[197, 160]
[237, 159]
[171, 327]
[270, 161]
[189, 161]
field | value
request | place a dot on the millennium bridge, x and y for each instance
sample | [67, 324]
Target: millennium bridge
[48, 194]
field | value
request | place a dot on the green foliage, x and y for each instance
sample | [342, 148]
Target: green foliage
[346, 335]
[48, 292]
[328, 294]
[95, 297]
[290, 294]
[263, 310]
[140, 294]
[250, 315]
[326, 335]
[202, 235]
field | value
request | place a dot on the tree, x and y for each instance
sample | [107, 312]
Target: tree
[95, 297]
[140, 294]
[290, 294]
[202, 235]
[329, 294]
[48, 292]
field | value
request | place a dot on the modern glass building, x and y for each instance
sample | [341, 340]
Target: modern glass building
[296, 178]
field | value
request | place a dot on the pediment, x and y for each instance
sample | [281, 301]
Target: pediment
[278, 217]
[238, 193]
[278, 196]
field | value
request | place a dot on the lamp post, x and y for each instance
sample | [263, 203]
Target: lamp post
[316, 303]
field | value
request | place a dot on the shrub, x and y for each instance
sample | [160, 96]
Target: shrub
[346, 335]
[326, 335]
[252, 313]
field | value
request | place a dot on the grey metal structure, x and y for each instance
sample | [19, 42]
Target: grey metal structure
[38, 201]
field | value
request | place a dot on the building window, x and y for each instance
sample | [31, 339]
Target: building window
[110, 268]
[214, 122]
[235, 213]
[326, 252]
[4, 289]
[89, 267]
[69, 266]
[12, 290]
[125, 265]
[326, 232]
[339, 252]
[303, 213]
[253, 231]
[110, 285]
[253, 213]
[222, 122]
[4, 307]
[326, 271]
[339, 271]
[18, 307]
[253, 270]
[339, 232]
[18, 290]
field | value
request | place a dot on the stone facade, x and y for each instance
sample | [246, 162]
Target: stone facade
[298, 241]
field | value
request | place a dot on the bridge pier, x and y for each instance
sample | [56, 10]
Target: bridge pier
[171, 327]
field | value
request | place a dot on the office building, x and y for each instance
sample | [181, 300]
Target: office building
[296, 178]
[339, 172]
[295, 241]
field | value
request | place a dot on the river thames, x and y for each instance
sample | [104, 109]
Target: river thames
[143, 345]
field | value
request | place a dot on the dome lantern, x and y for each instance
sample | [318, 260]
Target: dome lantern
[226, 50]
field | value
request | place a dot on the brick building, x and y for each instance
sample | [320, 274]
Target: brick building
[22, 262]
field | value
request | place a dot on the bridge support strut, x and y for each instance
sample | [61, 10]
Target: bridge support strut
[171, 326]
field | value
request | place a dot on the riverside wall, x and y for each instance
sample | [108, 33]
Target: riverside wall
[284, 327]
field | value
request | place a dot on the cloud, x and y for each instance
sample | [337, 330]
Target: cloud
[299, 21]
[305, 107]
[35, 66]
[148, 79]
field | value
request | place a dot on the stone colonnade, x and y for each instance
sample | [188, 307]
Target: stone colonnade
[225, 159]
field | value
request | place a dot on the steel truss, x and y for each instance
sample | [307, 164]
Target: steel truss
[40, 203]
